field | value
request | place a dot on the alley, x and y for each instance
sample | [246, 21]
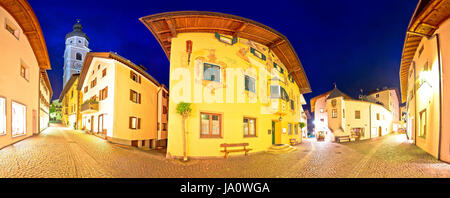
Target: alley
[58, 152]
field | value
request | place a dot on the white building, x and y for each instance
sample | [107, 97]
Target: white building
[77, 46]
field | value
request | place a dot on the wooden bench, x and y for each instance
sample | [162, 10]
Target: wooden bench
[340, 138]
[226, 151]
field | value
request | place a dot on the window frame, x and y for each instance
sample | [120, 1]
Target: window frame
[211, 68]
[137, 124]
[248, 79]
[210, 135]
[357, 114]
[12, 119]
[138, 96]
[248, 126]
[334, 113]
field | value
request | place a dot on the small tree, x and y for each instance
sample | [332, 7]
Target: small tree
[302, 125]
[184, 109]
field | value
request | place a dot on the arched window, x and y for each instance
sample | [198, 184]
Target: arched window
[79, 56]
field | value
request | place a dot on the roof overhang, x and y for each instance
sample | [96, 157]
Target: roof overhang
[68, 85]
[427, 18]
[165, 26]
[27, 20]
[110, 55]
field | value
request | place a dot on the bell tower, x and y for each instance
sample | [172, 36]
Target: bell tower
[77, 46]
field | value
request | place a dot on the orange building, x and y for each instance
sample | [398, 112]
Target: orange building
[23, 60]
[120, 100]
[424, 77]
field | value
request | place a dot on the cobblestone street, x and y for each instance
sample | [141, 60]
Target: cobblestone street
[58, 152]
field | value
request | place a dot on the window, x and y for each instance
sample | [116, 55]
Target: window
[24, 72]
[249, 127]
[291, 78]
[278, 92]
[79, 56]
[71, 94]
[135, 77]
[258, 53]
[378, 95]
[104, 72]
[357, 114]
[164, 126]
[249, 84]
[11, 28]
[334, 113]
[164, 110]
[103, 94]
[2, 116]
[343, 113]
[210, 125]
[292, 104]
[225, 39]
[211, 72]
[289, 129]
[19, 119]
[93, 82]
[135, 123]
[278, 68]
[423, 124]
[135, 96]
[86, 89]
[378, 116]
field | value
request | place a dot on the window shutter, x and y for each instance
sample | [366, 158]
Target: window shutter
[100, 97]
[106, 91]
[139, 77]
[131, 95]
[263, 56]
[129, 122]
[235, 39]
[252, 50]
[139, 123]
[131, 74]
[139, 98]
[217, 36]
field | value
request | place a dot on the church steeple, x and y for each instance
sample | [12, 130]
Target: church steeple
[77, 46]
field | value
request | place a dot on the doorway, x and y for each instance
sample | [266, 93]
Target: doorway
[100, 124]
[276, 132]
[92, 124]
[380, 131]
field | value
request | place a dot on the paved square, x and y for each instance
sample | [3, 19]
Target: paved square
[58, 152]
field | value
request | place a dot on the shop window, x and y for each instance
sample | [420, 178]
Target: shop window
[19, 119]
[249, 127]
[210, 125]
[2, 116]
[211, 72]
[250, 84]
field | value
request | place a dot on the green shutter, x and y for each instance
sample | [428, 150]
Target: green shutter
[235, 39]
[218, 36]
[263, 56]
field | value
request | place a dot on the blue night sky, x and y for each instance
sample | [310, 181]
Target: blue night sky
[357, 44]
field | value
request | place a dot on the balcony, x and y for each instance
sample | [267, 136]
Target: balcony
[89, 106]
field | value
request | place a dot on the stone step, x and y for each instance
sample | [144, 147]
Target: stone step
[280, 149]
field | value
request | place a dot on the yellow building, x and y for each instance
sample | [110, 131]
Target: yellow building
[243, 79]
[71, 98]
[120, 100]
[424, 77]
[23, 55]
[342, 118]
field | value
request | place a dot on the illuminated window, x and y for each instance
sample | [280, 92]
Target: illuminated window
[210, 125]
[334, 113]
[249, 84]
[249, 127]
[2, 116]
[134, 123]
[211, 72]
[19, 119]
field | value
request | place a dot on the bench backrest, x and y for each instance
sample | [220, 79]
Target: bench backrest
[233, 145]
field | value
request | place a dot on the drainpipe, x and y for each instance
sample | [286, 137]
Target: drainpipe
[440, 93]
